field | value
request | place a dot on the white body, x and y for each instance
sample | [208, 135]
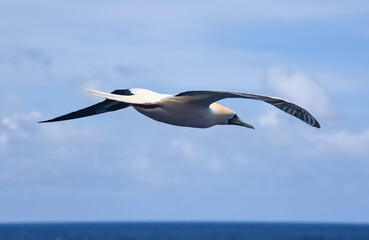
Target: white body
[180, 113]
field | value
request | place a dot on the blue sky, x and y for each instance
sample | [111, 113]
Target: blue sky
[122, 166]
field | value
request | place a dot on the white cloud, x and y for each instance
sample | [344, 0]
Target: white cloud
[354, 144]
[197, 155]
[298, 88]
[269, 118]
[6, 121]
[13, 122]
[336, 84]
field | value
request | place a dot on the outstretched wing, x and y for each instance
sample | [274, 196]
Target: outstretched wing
[139, 96]
[102, 107]
[208, 97]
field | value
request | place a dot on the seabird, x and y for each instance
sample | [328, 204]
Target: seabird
[196, 109]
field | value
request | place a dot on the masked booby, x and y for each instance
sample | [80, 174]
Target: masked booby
[196, 109]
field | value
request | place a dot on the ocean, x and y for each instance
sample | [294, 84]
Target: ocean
[183, 231]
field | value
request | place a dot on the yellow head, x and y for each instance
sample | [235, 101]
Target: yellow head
[225, 116]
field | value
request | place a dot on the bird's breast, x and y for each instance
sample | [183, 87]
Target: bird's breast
[178, 114]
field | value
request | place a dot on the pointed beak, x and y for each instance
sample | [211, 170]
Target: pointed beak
[238, 121]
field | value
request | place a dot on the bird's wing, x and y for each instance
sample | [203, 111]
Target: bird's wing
[102, 107]
[141, 99]
[208, 97]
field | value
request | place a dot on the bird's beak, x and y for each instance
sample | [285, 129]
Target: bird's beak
[238, 121]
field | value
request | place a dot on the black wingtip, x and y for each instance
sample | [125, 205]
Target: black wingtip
[316, 124]
[44, 121]
[52, 120]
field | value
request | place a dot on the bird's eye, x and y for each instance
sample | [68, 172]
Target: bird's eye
[231, 120]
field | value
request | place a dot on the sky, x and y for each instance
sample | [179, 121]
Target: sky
[122, 166]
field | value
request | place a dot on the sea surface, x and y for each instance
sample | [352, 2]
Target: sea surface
[183, 231]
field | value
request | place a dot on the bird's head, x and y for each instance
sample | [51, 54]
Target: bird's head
[226, 116]
[235, 120]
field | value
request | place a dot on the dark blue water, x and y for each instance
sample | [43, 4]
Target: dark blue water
[183, 231]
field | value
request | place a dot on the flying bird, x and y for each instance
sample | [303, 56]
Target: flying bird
[196, 109]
